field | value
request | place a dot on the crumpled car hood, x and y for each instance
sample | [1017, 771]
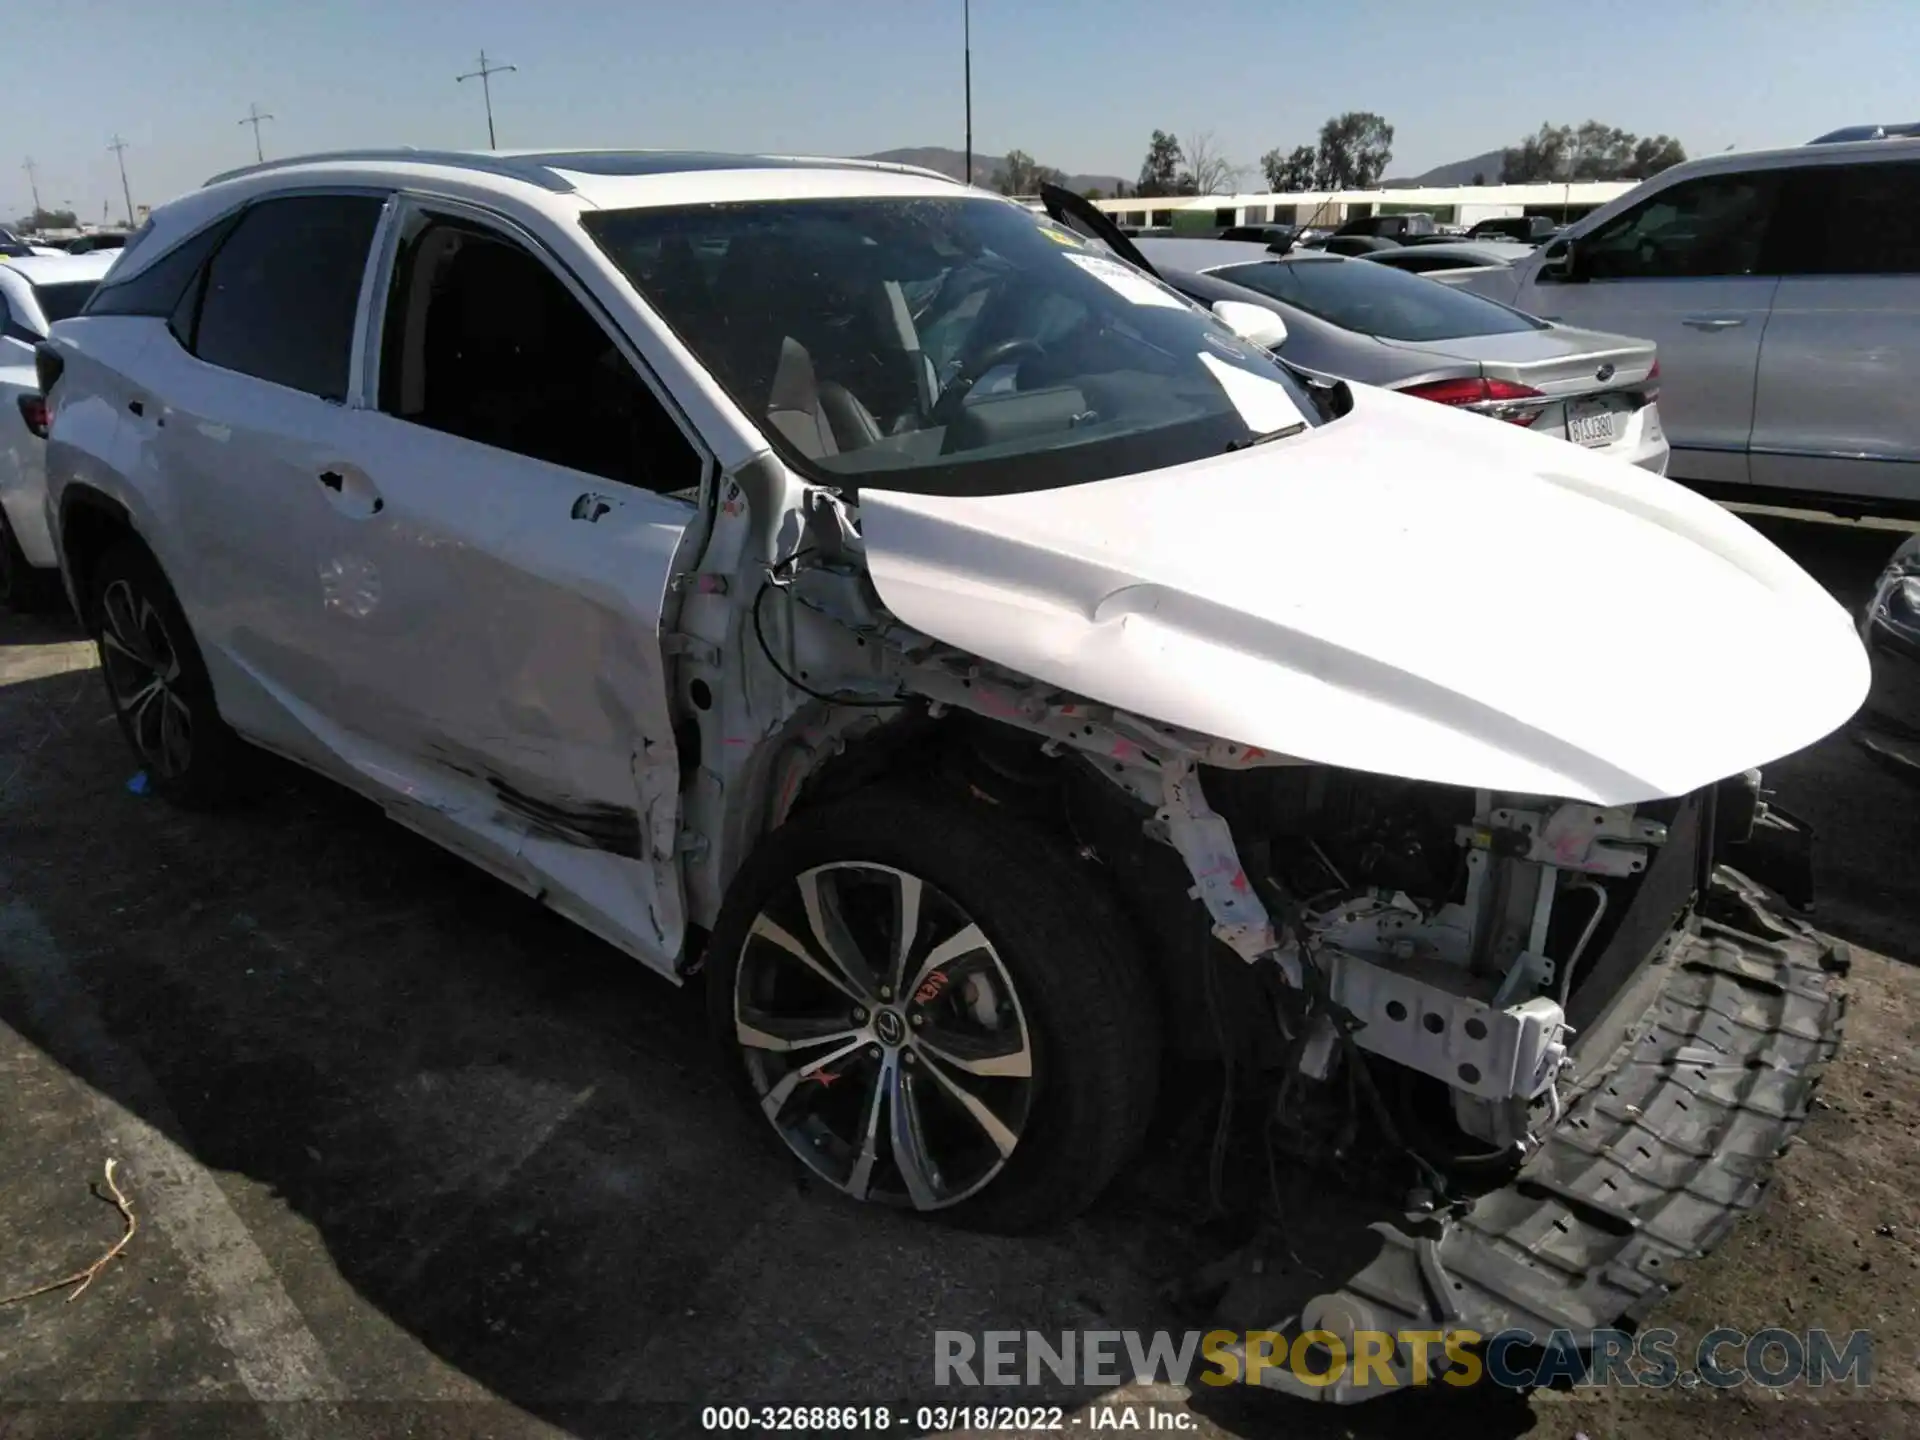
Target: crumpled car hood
[1406, 590]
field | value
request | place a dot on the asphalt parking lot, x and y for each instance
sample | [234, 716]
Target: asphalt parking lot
[411, 1155]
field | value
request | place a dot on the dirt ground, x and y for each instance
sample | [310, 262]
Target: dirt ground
[412, 1156]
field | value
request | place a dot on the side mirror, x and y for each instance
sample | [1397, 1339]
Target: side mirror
[1255, 324]
[1557, 261]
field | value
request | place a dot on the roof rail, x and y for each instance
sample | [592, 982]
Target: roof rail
[899, 167]
[542, 167]
[512, 166]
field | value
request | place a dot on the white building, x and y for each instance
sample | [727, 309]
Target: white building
[1462, 205]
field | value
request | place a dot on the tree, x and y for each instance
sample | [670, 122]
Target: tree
[1094, 192]
[47, 220]
[1354, 151]
[1541, 156]
[1291, 173]
[1160, 172]
[1479, 177]
[1600, 152]
[1208, 171]
[1021, 174]
[1591, 152]
[1654, 154]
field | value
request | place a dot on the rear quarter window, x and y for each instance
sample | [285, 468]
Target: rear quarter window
[63, 301]
[282, 291]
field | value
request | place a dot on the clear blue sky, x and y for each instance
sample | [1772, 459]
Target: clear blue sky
[1078, 83]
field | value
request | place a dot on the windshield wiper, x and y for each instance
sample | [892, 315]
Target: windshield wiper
[1281, 434]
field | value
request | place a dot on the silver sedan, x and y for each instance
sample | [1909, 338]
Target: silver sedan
[1363, 321]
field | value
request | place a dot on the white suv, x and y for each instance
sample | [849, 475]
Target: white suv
[978, 659]
[36, 291]
[1783, 289]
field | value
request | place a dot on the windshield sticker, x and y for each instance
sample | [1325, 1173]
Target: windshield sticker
[1126, 282]
[1263, 403]
[1062, 237]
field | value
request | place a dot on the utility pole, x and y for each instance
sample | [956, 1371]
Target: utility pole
[119, 148]
[33, 182]
[254, 117]
[966, 20]
[486, 89]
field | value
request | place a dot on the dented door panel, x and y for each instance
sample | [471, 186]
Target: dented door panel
[479, 624]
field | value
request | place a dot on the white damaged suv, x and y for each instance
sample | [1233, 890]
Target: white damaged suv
[988, 669]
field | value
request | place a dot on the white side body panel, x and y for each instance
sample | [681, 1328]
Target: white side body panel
[1405, 590]
[23, 471]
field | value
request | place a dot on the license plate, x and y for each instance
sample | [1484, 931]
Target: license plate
[1590, 424]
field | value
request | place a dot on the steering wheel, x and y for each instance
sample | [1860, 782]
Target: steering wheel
[946, 409]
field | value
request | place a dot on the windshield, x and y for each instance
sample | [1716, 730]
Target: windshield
[946, 346]
[1379, 300]
[63, 301]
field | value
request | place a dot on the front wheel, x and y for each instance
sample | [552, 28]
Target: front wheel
[936, 1008]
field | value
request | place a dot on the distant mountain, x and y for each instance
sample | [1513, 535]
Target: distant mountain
[1460, 172]
[986, 168]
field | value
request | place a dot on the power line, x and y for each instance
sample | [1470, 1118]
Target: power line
[253, 118]
[483, 74]
[119, 148]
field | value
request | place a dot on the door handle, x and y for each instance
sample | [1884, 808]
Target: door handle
[353, 495]
[1712, 322]
[590, 507]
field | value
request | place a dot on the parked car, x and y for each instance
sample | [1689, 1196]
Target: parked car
[1274, 237]
[974, 662]
[1353, 244]
[100, 240]
[1527, 229]
[1388, 227]
[1783, 288]
[1450, 259]
[35, 291]
[12, 246]
[1361, 321]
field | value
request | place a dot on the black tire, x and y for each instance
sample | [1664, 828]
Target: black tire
[23, 587]
[1051, 929]
[129, 600]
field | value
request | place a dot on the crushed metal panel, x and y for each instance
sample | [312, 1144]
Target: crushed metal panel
[1651, 1166]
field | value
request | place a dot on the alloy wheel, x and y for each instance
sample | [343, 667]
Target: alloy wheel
[883, 1035]
[142, 666]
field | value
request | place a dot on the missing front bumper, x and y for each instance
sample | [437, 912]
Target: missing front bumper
[1671, 1141]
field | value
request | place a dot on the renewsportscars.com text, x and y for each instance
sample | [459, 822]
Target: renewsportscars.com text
[1514, 1359]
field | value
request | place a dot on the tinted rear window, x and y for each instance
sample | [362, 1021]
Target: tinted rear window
[1852, 220]
[1374, 299]
[63, 301]
[282, 291]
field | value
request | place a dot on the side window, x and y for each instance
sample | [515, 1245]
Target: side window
[157, 289]
[1716, 225]
[279, 297]
[1852, 220]
[9, 328]
[482, 340]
